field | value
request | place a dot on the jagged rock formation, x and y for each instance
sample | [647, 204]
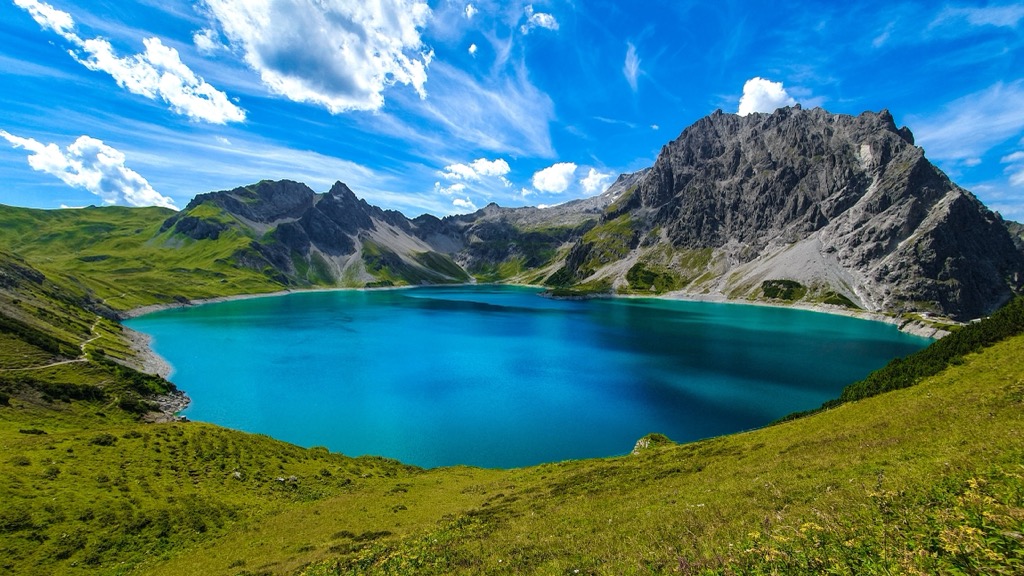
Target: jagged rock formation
[845, 207]
[797, 205]
[302, 238]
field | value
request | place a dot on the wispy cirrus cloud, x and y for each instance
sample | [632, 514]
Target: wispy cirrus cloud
[1009, 16]
[157, 73]
[505, 113]
[333, 53]
[970, 126]
[90, 164]
[631, 68]
[1014, 167]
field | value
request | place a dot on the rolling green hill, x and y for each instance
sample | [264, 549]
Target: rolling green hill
[120, 257]
[924, 479]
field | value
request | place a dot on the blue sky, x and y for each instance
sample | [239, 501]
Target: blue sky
[442, 106]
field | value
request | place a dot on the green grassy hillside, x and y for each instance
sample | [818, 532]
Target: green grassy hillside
[120, 257]
[925, 479]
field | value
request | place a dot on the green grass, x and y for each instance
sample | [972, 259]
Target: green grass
[920, 471]
[609, 241]
[119, 255]
[789, 290]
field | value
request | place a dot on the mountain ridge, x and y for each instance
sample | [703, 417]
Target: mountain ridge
[845, 210]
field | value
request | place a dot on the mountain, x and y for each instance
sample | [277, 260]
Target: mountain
[823, 206]
[302, 238]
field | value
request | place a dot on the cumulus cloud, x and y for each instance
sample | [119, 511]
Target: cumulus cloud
[472, 49]
[464, 204]
[760, 95]
[538, 20]
[554, 179]
[456, 188]
[338, 54]
[157, 73]
[90, 164]
[631, 69]
[471, 11]
[477, 169]
[595, 181]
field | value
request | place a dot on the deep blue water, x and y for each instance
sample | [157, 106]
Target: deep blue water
[499, 376]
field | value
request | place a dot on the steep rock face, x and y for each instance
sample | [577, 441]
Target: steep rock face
[298, 237]
[847, 205]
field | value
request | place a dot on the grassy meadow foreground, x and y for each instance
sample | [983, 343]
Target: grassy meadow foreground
[920, 471]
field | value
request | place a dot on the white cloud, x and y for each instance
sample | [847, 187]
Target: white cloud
[631, 69]
[655, 127]
[207, 41]
[464, 204]
[456, 188]
[471, 11]
[1015, 167]
[49, 17]
[760, 95]
[554, 179]
[506, 114]
[595, 181]
[335, 53]
[90, 164]
[472, 49]
[475, 170]
[538, 20]
[972, 125]
[156, 73]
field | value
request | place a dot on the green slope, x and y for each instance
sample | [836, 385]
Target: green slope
[119, 255]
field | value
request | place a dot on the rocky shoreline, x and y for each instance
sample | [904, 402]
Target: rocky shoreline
[169, 405]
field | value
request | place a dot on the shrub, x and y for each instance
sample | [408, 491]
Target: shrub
[103, 440]
[783, 289]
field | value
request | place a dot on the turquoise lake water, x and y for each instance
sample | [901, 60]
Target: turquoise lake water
[501, 377]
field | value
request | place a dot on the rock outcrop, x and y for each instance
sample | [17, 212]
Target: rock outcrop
[845, 206]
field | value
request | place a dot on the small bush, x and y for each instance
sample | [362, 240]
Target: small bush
[103, 440]
[20, 460]
[783, 289]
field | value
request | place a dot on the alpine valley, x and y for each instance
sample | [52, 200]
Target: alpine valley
[916, 469]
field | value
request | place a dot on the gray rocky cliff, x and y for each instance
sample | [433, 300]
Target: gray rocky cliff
[846, 205]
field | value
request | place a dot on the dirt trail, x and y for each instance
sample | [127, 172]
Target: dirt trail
[82, 358]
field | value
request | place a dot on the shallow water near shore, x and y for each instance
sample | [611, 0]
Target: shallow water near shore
[498, 376]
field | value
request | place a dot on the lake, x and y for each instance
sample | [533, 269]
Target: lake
[499, 376]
